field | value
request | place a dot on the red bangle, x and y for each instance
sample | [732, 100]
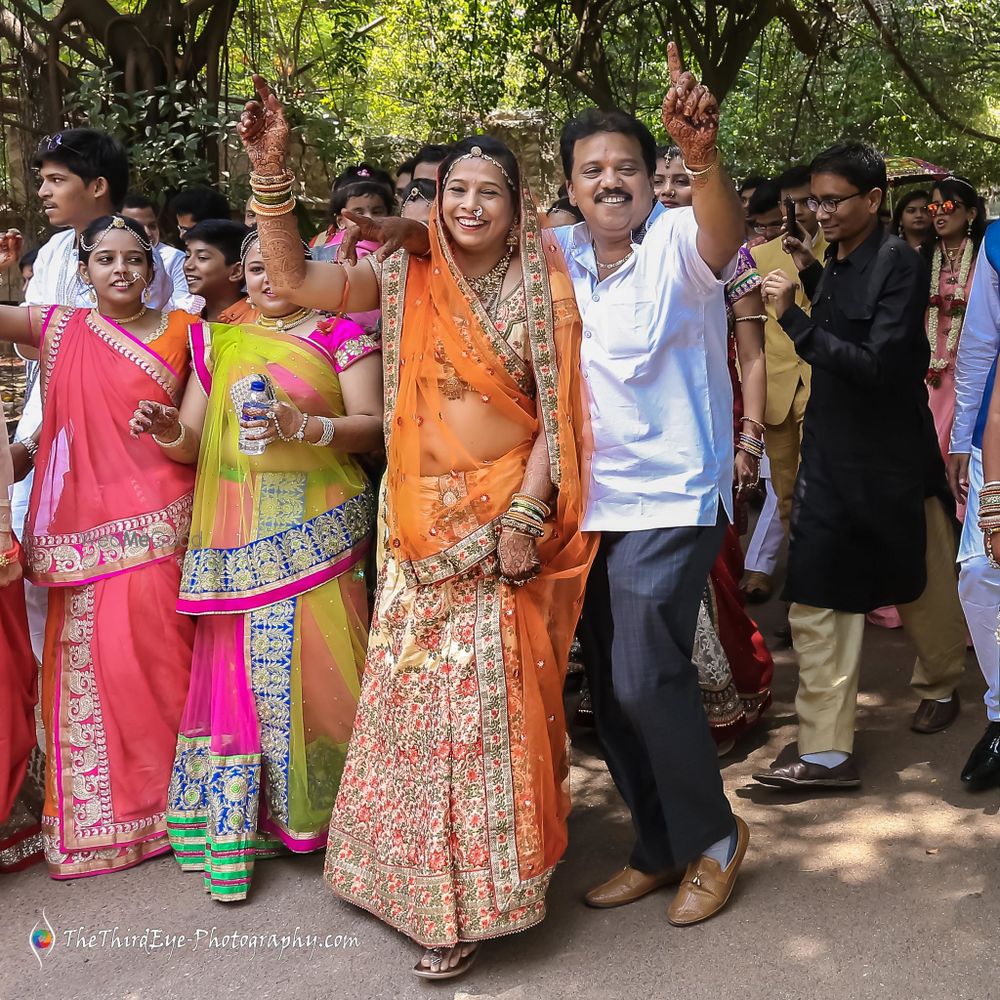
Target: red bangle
[11, 556]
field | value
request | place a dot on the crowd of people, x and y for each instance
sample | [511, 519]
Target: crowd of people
[353, 501]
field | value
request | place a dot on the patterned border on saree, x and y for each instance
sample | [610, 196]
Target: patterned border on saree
[269, 564]
[459, 558]
[110, 548]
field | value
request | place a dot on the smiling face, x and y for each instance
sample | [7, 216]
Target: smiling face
[259, 286]
[119, 271]
[610, 184]
[856, 213]
[67, 199]
[208, 274]
[675, 187]
[952, 226]
[477, 207]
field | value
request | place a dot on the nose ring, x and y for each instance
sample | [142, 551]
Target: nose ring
[477, 213]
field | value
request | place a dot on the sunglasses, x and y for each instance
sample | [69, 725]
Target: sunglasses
[945, 207]
[50, 143]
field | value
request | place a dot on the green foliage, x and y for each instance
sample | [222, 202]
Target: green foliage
[167, 129]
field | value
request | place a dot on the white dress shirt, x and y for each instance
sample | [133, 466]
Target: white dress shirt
[655, 364]
[172, 261]
[977, 350]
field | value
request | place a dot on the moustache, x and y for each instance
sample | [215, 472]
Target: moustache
[616, 193]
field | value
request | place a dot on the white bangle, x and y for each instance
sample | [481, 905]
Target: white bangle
[171, 444]
[329, 429]
[691, 172]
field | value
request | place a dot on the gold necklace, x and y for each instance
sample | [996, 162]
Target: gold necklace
[128, 319]
[285, 322]
[487, 286]
[614, 264]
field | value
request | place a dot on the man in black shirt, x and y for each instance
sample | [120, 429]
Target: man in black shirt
[869, 525]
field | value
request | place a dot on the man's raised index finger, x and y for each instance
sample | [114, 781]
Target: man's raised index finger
[674, 61]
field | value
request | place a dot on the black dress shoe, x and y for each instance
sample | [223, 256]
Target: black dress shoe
[801, 774]
[982, 769]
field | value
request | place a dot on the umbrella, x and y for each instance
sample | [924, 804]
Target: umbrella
[910, 170]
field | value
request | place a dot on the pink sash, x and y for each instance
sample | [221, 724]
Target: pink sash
[102, 503]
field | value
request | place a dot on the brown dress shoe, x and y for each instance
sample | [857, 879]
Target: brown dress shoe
[756, 587]
[801, 774]
[932, 716]
[629, 885]
[707, 886]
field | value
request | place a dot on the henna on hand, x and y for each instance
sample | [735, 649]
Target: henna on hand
[690, 114]
[518, 554]
[263, 130]
[154, 418]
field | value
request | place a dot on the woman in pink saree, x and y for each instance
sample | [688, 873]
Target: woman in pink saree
[106, 529]
[275, 572]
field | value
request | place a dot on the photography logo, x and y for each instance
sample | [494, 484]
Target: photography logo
[42, 939]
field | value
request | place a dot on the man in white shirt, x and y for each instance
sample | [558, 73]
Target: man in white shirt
[649, 283]
[978, 581]
[84, 175]
[142, 210]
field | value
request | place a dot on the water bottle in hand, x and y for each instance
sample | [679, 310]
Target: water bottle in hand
[257, 398]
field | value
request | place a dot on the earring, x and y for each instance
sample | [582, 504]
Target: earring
[145, 296]
[91, 294]
[249, 301]
[513, 237]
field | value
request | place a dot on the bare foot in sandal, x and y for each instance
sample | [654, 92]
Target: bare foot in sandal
[446, 963]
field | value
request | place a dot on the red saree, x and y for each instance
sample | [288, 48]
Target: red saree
[107, 526]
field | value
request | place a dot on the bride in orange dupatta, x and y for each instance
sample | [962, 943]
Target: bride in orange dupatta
[451, 814]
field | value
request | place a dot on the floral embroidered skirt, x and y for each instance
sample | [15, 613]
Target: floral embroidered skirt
[433, 830]
[265, 730]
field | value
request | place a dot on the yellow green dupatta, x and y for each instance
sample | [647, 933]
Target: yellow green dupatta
[270, 527]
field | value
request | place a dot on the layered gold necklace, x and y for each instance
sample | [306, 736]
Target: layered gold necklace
[282, 323]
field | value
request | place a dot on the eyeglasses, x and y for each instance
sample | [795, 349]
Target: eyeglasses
[763, 228]
[830, 205]
[945, 207]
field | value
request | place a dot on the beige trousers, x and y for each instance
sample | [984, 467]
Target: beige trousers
[784, 445]
[828, 646]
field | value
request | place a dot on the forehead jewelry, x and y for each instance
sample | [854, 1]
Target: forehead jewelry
[476, 153]
[117, 222]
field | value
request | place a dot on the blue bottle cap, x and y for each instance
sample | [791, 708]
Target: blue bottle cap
[258, 385]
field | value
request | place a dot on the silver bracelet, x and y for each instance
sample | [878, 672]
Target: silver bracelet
[329, 429]
[171, 444]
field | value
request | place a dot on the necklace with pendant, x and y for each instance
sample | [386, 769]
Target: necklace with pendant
[282, 323]
[487, 286]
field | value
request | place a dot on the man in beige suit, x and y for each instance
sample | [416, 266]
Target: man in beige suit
[787, 373]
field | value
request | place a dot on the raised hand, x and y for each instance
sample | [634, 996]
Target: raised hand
[263, 130]
[390, 230]
[11, 245]
[690, 114]
[155, 418]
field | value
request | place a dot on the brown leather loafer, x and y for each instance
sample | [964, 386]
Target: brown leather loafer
[799, 773]
[932, 716]
[628, 885]
[756, 587]
[707, 886]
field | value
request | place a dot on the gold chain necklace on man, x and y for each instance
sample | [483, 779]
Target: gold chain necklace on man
[487, 286]
[613, 264]
[282, 323]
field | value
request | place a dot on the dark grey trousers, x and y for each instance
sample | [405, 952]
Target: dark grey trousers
[637, 631]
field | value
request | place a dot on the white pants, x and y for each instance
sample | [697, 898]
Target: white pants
[36, 598]
[768, 534]
[979, 591]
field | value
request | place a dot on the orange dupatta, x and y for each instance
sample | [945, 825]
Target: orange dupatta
[437, 335]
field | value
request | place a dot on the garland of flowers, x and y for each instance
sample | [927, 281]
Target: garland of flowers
[954, 306]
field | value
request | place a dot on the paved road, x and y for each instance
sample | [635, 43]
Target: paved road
[889, 892]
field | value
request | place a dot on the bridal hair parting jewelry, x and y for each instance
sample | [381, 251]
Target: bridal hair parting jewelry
[116, 222]
[476, 153]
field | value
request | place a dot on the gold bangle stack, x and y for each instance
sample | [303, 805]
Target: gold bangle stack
[272, 194]
[526, 515]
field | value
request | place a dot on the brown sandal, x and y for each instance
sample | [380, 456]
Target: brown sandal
[437, 955]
